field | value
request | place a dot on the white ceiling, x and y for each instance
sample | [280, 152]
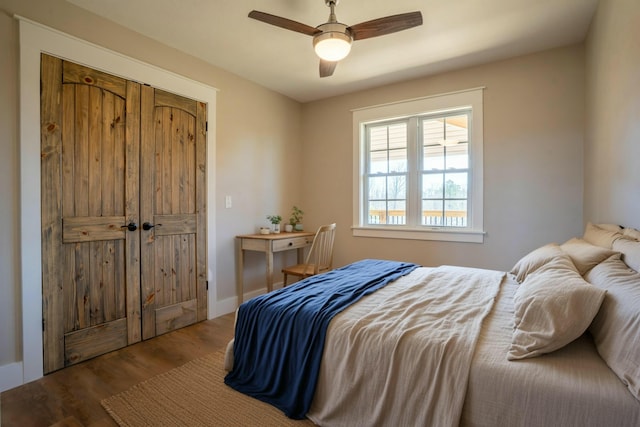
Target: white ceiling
[455, 34]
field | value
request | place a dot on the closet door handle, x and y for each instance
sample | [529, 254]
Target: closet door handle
[148, 226]
[132, 226]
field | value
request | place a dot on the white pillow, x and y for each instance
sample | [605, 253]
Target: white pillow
[584, 255]
[616, 328]
[630, 252]
[552, 307]
[631, 232]
[535, 259]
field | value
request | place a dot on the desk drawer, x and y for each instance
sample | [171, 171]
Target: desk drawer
[255, 245]
[292, 243]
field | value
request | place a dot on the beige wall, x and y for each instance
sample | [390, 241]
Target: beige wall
[257, 145]
[533, 135]
[612, 143]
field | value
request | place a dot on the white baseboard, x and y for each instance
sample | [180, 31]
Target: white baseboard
[10, 376]
[230, 305]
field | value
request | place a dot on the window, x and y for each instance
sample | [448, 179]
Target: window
[419, 169]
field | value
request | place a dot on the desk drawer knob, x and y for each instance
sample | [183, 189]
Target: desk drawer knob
[290, 243]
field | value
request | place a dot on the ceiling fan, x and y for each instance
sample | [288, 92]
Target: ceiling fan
[332, 40]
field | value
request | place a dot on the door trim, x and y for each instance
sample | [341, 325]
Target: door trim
[34, 40]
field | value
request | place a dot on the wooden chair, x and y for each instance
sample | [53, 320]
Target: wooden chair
[320, 256]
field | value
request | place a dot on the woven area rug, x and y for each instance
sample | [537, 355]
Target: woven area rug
[193, 395]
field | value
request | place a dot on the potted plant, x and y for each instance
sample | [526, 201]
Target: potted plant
[296, 218]
[275, 220]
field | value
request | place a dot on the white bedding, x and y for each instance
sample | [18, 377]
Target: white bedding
[376, 369]
[571, 386]
[380, 366]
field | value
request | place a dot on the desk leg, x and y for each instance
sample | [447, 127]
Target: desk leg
[240, 273]
[269, 256]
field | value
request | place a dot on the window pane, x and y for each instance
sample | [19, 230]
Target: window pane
[433, 131]
[388, 148]
[387, 167]
[398, 160]
[457, 128]
[397, 212]
[432, 212]
[432, 205]
[378, 162]
[456, 205]
[433, 157]
[398, 135]
[378, 138]
[455, 185]
[377, 212]
[397, 187]
[378, 188]
[432, 186]
[456, 213]
[458, 156]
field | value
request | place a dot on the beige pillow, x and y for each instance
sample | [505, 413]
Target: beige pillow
[599, 236]
[534, 260]
[611, 227]
[616, 328]
[552, 307]
[584, 255]
[631, 232]
[630, 250]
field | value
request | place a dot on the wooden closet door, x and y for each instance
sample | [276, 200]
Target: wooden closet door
[89, 180]
[172, 210]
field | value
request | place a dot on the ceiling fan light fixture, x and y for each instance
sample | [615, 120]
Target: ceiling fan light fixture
[332, 40]
[333, 44]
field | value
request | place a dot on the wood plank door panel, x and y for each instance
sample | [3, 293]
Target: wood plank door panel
[173, 201]
[91, 275]
[116, 153]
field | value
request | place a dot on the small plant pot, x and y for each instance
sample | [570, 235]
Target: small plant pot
[288, 228]
[276, 228]
[298, 227]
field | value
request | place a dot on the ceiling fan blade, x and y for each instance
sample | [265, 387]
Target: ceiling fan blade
[386, 25]
[327, 68]
[285, 23]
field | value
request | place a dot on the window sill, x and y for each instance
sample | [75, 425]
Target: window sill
[465, 236]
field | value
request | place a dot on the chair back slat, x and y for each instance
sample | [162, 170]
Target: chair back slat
[319, 259]
[320, 255]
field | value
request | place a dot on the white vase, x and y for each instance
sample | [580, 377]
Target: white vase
[276, 228]
[288, 228]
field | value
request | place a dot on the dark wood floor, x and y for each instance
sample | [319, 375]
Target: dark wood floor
[71, 397]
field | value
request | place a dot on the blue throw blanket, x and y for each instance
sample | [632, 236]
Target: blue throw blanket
[279, 336]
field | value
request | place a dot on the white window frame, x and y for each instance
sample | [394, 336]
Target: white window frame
[474, 232]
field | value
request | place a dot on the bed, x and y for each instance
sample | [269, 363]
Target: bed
[555, 341]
